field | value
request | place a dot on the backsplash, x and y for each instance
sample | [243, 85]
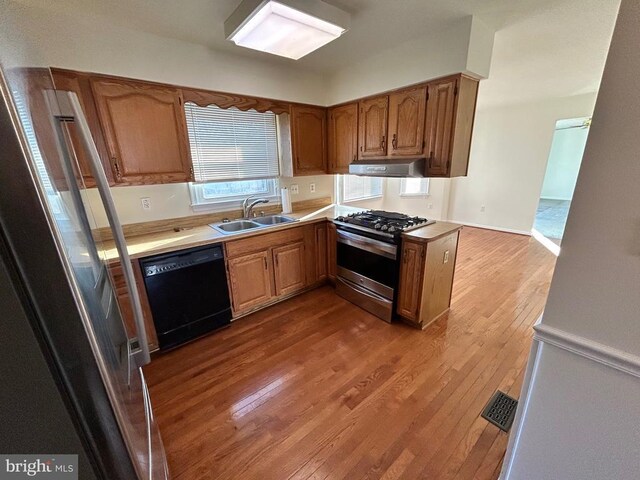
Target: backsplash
[173, 200]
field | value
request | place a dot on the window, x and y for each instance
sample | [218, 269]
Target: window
[414, 187]
[205, 196]
[235, 152]
[353, 187]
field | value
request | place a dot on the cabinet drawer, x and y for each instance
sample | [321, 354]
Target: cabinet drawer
[263, 242]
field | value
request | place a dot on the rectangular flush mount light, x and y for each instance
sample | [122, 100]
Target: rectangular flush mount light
[289, 28]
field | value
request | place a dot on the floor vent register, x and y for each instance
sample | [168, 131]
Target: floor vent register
[500, 410]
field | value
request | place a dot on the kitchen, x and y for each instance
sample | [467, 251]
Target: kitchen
[220, 222]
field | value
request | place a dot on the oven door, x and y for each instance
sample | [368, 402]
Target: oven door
[367, 272]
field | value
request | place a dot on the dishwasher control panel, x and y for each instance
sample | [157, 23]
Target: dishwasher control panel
[176, 261]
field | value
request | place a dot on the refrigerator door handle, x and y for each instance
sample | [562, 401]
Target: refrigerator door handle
[70, 108]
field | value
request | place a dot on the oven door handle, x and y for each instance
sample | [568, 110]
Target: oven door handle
[368, 244]
[364, 291]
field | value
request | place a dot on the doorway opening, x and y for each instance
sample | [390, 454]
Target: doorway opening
[565, 157]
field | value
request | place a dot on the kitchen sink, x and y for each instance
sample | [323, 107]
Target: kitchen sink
[235, 226]
[273, 220]
[238, 226]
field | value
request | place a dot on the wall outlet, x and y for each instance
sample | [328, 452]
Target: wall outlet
[294, 189]
[482, 208]
[312, 187]
[146, 203]
[430, 206]
[446, 257]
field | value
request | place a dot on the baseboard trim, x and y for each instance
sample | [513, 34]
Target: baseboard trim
[598, 352]
[491, 227]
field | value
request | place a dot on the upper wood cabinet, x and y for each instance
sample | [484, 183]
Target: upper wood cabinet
[406, 122]
[372, 127]
[145, 131]
[308, 140]
[79, 84]
[343, 137]
[449, 123]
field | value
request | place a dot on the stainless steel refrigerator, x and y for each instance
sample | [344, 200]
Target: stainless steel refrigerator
[51, 238]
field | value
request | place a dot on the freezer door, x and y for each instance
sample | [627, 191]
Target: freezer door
[75, 218]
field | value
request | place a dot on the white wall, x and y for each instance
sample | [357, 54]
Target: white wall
[54, 38]
[564, 163]
[509, 153]
[173, 200]
[580, 421]
[464, 45]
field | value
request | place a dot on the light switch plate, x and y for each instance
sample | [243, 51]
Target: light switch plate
[312, 187]
[446, 257]
[146, 203]
[294, 189]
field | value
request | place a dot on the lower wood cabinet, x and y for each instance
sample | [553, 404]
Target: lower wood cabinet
[250, 279]
[266, 267]
[289, 268]
[426, 279]
[124, 302]
[332, 261]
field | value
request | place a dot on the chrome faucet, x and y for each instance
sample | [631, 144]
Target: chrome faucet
[247, 208]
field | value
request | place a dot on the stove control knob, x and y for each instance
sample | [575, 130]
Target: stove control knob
[377, 226]
[392, 229]
[340, 218]
[384, 228]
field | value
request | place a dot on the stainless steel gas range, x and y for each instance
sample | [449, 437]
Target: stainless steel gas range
[368, 257]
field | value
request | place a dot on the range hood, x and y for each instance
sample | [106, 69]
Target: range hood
[389, 167]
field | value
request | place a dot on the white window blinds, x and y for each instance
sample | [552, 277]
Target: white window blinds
[229, 144]
[360, 188]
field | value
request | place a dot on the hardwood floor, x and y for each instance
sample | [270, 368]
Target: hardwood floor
[316, 388]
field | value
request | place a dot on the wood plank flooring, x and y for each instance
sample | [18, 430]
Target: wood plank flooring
[316, 388]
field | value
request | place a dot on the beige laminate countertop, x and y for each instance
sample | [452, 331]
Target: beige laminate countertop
[170, 241]
[432, 232]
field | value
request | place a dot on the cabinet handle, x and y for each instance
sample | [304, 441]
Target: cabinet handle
[430, 159]
[394, 142]
[116, 168]
[265, 263]
[382, 143]
[354, 158]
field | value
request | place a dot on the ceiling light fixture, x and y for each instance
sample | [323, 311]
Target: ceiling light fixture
[289, 28]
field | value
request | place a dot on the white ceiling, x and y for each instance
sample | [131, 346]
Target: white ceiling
[542, 47]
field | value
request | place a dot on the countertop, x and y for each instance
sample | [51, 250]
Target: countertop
[169, 241]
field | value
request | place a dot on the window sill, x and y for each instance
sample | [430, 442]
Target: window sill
[227, 206]
[361, 199]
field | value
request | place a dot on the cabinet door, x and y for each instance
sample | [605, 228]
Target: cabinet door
[145, 132]
[250, 280]
[411, 274]
[332, 264]
[289, 268]
[343, 137]
[79, 84]
[308, 140]
[372, 127]
[439, 126]
[406, 122]
[321, 251]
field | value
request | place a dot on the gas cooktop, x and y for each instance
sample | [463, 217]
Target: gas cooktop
[381, 222]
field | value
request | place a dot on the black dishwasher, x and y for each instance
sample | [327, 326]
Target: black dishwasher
[187, 292]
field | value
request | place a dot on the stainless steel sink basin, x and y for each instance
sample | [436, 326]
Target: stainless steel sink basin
[235, 226]
[273, 220]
